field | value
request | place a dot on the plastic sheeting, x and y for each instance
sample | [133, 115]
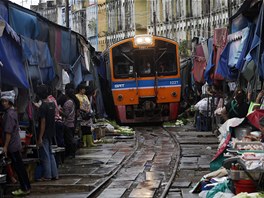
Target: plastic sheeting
[246, 47]
[74, 50]
[3, 11]
[210, 63]
[256, 51]
[43, 44]
[234, 51]
[199, 65]
[24, 23]
[220, 40]
[57, 52]
[43, 31]
[186, 80]
[12, 72]
[245, 14]
[77, 72]
[39, 60]
[52, 40]
[66, 47]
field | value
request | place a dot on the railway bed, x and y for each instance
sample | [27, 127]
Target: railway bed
[148, 171]
[157, 162]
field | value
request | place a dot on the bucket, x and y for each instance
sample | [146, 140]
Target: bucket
[245, 186]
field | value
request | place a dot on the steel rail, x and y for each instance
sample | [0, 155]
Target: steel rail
[101, 185]
[174, 172]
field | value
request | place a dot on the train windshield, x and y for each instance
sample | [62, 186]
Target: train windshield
[161, 59]
[165, 58]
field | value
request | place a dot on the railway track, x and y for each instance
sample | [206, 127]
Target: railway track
[148, 171]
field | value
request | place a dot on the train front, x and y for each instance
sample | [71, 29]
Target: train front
[145, 75]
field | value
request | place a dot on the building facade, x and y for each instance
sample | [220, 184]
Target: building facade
[105, 22]
[175, 19]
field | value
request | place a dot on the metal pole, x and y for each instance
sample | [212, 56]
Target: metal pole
[154, 23]
[154, 19]
[67, 13]
[209, 23]
[97, 36]
[229, 9]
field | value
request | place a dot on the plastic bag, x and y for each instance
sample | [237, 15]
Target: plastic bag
[224, 195]
[255, 116]
[86, 115]
[221, 187]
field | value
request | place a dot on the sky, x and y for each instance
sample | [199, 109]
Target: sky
[26, 3]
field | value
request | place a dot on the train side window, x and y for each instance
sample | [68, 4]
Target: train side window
[123, 70]
[122, 61]
[166, 58]
[167, 65]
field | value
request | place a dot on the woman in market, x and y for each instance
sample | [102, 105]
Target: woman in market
[12, 143]
[86, 120]
[68, 113]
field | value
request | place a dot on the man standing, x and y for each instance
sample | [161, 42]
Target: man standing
[47, 132]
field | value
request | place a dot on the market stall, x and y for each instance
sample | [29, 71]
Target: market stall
[238, 165]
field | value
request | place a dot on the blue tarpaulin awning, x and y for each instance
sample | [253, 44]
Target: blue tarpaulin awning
[39, 59]
[256, 50]
[24, 23]
[13, 71]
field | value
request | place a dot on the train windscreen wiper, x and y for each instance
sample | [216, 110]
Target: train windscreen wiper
[161, 56]
[123, 54]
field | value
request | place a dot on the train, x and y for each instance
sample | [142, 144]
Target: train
[142, 82]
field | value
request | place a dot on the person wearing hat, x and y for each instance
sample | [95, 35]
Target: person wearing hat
[12, 143]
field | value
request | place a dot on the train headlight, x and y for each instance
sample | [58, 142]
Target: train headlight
[174, 94]
[143, 40]
[120, 97]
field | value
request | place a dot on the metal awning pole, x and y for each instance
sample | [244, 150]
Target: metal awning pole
[30, 91]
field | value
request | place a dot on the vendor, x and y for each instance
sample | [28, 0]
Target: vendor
[237, 107]
[12, 143]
